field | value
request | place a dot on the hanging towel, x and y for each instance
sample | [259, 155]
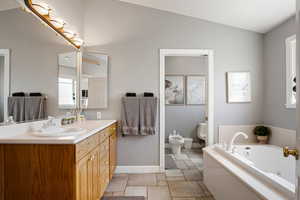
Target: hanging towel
[16, 108]
[148, 115]
[35, 108]
[130, 116]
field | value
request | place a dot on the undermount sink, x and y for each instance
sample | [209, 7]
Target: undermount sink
[57, 132]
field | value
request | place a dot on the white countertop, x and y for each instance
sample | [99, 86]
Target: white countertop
[19, 134]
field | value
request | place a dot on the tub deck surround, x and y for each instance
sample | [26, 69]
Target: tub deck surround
[20, 133]
[246, 182]
[76, 168]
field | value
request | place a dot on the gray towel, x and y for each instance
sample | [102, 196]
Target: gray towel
[130, 116]
[148, 115]
[16, 108]
[35, 108]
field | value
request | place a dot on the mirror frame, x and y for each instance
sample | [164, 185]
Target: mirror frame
[6, 91]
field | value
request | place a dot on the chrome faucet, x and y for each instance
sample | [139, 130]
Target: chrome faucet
[231, 144]
[9, 121]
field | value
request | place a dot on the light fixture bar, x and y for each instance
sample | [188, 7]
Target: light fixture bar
[54, 24]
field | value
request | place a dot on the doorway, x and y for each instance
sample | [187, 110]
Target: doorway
[181, 98]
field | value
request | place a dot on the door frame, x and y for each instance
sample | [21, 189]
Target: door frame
[6, 54]
[185, 52]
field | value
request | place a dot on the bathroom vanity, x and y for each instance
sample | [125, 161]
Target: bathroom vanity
[67, 168]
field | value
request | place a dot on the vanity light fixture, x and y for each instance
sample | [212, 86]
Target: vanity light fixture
[45, 13]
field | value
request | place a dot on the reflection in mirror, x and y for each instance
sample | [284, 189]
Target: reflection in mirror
[4, 83]
[67, 80]
[94, 80]
[33, 89]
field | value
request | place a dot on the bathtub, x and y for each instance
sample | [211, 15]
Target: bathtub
[262, 168]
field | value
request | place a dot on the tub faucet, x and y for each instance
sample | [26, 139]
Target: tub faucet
[231, 144]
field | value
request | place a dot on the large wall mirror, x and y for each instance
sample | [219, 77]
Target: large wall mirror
[94, 81]
[67, 80]
[42, 67]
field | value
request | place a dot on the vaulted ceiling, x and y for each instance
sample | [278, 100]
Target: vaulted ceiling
[254, 15]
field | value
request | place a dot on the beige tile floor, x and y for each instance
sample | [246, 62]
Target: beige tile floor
[184, 183]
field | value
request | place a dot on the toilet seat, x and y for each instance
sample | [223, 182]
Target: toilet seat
[177, 139]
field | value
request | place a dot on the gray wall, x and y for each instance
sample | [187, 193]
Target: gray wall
[275, 113]
[34, 65]
[1, 88]
[185, 118]
[132, 36]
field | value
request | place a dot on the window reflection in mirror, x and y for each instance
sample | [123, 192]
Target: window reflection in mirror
[94, 80]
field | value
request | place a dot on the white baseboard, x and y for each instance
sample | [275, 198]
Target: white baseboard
[137, 169]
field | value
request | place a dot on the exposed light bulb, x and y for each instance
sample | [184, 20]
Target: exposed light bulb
[56, 21]
[77, 41]
[69, 34]
[41, 7]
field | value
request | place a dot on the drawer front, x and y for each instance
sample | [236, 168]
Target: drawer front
[87, 145]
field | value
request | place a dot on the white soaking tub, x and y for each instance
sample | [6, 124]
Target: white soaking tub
[263, 168]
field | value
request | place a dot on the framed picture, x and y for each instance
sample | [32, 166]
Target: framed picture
[238, 87]
[174, 90]
[195, 90]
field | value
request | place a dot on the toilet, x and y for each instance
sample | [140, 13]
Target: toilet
[202, 131]
[176, 142]
[188, 143]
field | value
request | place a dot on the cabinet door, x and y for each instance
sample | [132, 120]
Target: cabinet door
[104, 167]
[82, 179]
[95, 179]
[112, 154]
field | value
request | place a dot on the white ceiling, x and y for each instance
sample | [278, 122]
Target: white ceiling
[254, 15]
[8, 4]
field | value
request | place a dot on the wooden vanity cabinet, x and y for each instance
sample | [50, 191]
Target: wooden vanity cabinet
[58, 172]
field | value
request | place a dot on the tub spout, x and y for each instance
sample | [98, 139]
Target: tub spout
[231, 144]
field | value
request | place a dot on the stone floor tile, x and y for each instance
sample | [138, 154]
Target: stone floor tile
[108, 194]
[161, 176]
[192, 175]
[173, 172]
[190, 164]
[136, 191]
[184, 198]
[181, 164]
[158, 193]
[117, 184]
[204, 189]
[141, 180]
[181, 157]
[118, 194]
[197, 160]
[185, 189]
[175, 178]
[162, 183]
